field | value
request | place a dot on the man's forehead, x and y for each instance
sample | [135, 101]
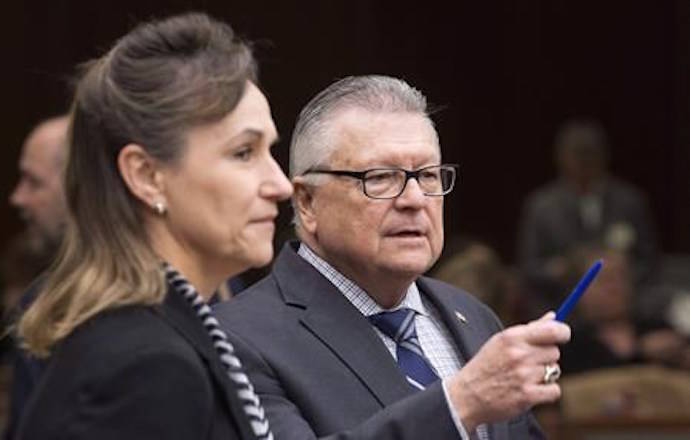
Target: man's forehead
[39, 154]
[47, 142]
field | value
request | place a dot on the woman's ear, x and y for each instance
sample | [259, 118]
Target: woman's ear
[142, 176]
[304, 205]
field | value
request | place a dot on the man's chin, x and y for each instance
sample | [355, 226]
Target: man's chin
[35, 245]
[410, 255]
[41, 248]
[410, 265]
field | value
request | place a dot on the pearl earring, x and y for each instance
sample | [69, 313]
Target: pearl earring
[159, 207]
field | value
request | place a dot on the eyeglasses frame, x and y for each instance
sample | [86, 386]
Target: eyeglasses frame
[408, 175]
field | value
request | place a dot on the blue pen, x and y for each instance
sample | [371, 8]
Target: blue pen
[577, 292]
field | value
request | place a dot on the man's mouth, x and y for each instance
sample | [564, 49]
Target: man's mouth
[407, 233]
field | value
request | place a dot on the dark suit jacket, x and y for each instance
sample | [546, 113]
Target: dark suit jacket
[136, 373]
[26, 369]
[322, 371]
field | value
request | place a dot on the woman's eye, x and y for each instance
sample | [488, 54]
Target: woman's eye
[244, 153]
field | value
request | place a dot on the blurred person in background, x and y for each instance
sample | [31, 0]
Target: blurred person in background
[40, 199]
[585, 205]
[39, 196]
[606, 332]
[476, 267]
[18, 268]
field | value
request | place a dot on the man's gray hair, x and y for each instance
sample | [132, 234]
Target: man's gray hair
[312, 141]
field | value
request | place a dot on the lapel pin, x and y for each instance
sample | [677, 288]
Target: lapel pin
[461, 317]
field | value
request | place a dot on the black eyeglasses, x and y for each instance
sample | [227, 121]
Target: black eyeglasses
[389, 183]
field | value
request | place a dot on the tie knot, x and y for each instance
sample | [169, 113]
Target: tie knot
[397, 325]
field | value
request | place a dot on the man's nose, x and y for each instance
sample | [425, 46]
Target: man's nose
[412, 195]
[17, 198]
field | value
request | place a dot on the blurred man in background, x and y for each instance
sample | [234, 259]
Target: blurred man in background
[39, 195]
[40, 200]
[585, 205]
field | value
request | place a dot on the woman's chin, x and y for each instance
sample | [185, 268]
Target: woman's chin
[261, 257]
[241, 258]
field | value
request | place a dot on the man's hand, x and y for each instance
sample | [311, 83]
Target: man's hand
[506, 376]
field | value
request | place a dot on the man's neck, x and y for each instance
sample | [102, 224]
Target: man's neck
[385, 288]
[387, 294]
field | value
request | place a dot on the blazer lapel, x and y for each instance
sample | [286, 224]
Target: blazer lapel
[179, 315]
[340, 326]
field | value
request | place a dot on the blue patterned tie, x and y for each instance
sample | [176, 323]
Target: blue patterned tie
[399, 326]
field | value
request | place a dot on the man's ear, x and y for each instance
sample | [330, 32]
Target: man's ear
[142, 176]
[304, 204]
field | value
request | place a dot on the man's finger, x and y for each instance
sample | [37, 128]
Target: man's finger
[543, 393]
[544, 332]
[548, 316]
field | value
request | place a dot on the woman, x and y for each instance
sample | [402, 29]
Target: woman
[172, 188]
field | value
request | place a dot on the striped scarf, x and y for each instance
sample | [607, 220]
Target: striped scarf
[226, 352]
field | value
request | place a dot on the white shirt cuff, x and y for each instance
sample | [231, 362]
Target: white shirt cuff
[454, 414]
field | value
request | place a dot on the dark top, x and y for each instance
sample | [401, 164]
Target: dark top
[136, 373]
[26, 369]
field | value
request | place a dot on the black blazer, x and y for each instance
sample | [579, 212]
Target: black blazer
[321, 370]
[136, 372]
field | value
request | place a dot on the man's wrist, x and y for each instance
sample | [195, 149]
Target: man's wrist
[464, 435]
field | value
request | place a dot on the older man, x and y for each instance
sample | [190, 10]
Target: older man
[345, 339]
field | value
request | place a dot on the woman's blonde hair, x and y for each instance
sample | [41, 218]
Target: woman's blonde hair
[158, 81]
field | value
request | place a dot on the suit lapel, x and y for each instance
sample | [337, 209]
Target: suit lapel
[340, 326]
[180, 316]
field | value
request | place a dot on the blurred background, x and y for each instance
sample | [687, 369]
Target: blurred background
[503, 77]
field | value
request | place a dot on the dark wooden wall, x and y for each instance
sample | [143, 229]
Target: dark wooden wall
[504, 75]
